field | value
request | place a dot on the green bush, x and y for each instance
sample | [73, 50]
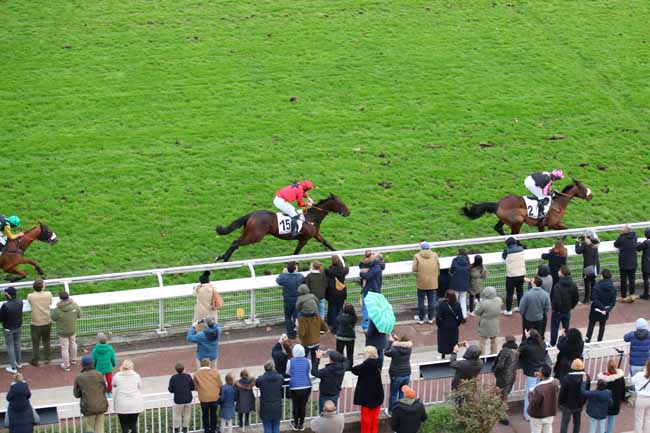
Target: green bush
[481, 406]
[442, 418]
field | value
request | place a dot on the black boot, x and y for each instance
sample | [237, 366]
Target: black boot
[294, 226]
[540, 210]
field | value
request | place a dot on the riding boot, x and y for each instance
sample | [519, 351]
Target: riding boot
[294, 226]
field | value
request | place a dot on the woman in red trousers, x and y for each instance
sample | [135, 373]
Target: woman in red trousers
[369, 392]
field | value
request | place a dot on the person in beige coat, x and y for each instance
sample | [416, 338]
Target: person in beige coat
[40, 302]
[205, 294]
[426, 266]
[489, 313]
[128, 402]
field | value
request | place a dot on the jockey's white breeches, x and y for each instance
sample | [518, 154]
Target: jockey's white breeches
[284, 206]
[538, 192]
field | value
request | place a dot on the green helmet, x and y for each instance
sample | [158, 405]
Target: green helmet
[14, 221]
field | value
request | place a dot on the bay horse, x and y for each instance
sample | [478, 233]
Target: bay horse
[260, 223]
[511, 209]
[12, 254]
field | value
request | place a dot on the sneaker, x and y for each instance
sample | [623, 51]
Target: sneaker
[293, 426]
[430, 321]
[644, 297]
[419, 322]
[63, 367]
[471, 313]
[507, 313]
[73, 362]
[12, 370]
[516, 309]
[301, 427]
[386, 412]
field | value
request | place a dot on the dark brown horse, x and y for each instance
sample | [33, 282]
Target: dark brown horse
[260, 223]
[511, 209]
[12, 254]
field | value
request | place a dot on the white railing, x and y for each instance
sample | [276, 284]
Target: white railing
[253, 299]
[157, 417]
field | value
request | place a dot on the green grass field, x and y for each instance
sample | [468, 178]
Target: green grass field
[133, 128]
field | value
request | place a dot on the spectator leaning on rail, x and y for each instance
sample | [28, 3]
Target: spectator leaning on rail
[345, 334]
[598, 402]
[309, 330]
[289, 280]
[564, 298]
[626, 244]
[181, 385]
[128, 402]
[227, 402]
[271, 395]
[40, 302]
[307, 303]
[639, 346]
[532, 356]
[104, 360]
[65, 315]
[505, 370]
[570, 347]
[489, 313]
[467, 368]
[369, 391]
[544, 273]
[372, 281]
[20, 416]
[207, 341]
[316, 280]
[281, 353]
[207, 382]
[328, 421]
[208, 300]
[615, 380]
[641, 382]
[426, 266]
[399, 352]
[300, 385]
[645, 264]
[245, 398]
[543, 401]
[337, 292]
[90, 388]
[604, 300]
[534, 307]
[408, 414]
[11, 316]
[556, 259]
[460, 278]
[587, 245]
[449, 317]
[571, 399]
[477, 274]
[331, 378]
[515, 272]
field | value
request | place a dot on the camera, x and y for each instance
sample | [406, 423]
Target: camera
[200, 322]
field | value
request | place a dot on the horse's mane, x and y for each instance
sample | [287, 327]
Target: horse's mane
[569, 186]
[324, 200]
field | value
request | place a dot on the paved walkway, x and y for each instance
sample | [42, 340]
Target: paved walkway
[251, 348]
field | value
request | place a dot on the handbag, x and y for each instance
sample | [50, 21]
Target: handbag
[589, 271]
[339, 285]
[217, 301]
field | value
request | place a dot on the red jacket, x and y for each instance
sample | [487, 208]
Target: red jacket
[291, 193]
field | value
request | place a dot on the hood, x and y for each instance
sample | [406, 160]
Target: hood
[489, 293]
[511, 241]
[65, 306]
[244, 384]
[472, 353]
[303, 289]
[606, 284]
[426, 254]
[102, 348]
[403, 344]
[462, 261]
[211, 333]
[611, 377]
[298, 351]
[641, 323]
[543, 270]
[642, 334]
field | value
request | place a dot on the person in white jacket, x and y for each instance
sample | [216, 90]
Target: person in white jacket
[641, 382]
[127, 397]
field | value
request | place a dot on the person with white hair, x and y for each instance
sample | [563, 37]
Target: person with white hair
[639, 340]
[128, 402]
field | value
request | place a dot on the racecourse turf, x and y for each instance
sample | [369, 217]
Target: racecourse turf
[133, 128]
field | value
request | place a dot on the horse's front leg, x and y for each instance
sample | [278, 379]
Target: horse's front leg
[301, 243]
[24, 260]
[322, 240]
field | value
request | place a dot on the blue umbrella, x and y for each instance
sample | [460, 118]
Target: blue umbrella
[380, 312]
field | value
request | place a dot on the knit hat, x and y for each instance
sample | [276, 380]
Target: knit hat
[577, 365]
[511, 241]
[641, 323]
[425, 246]
[86, 361]
[11, 291]
[408, 392]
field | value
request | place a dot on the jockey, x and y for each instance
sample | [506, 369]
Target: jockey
[539, 183]
[294, 192]
[6, 224]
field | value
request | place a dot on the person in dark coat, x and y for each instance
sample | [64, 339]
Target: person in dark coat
[11, 316]
[627, 245]
[371, 278]
[639, 340]
[281, 354]
[467, 368]
[244, 397]
[399, 351]
[532, 356]
[369, 391]
[444, 282]
[571, 399]
[604, 300]
[615, 380]
[570, 347]
[181, 385]
[20, 416]
[345, 334]
[289, 280]
[337, 291]
[556, 259]
[449, 317]
[644, 247]
[564, 298]
[461, 278]
[505, 370]
[271, 394]
[587, 245]
[408, 414]
[598, 402]
[331, 378]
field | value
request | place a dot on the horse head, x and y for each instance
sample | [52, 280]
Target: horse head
[577, 189]
[334, 204]
[47, 235]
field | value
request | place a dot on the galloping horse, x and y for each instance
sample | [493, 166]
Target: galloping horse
[511, 209]
[12, 254]
[260, 223]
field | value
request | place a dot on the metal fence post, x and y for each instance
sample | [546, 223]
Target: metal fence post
[161, 308]
[252, 319]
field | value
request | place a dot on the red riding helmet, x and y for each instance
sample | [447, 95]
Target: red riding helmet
[307, 185]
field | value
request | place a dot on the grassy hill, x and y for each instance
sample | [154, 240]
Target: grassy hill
[133, 128]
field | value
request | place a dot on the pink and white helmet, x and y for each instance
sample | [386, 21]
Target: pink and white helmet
[557, 173]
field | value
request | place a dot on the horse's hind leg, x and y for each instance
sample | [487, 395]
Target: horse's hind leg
[301, 243]
[15, 270]
[229, 252]
[499, 228]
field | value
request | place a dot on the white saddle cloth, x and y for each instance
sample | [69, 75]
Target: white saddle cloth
[284, 223]
[532, 207]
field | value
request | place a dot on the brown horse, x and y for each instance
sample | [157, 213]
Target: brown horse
[12, 254]
[260, 223]
[511, 209]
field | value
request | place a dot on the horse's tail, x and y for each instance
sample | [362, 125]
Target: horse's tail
[233, 225]
[477, 210]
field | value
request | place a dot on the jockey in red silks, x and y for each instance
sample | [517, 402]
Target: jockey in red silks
[297, 191]
[539, 183]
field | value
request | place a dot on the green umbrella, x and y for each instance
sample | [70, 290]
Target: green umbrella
[380, 312]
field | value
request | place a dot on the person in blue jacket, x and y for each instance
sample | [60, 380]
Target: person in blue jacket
[289, 280]
[371, 278]
[207, 341]
[460, 278]
[639, 346]
[603, 302]
[598, 402]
